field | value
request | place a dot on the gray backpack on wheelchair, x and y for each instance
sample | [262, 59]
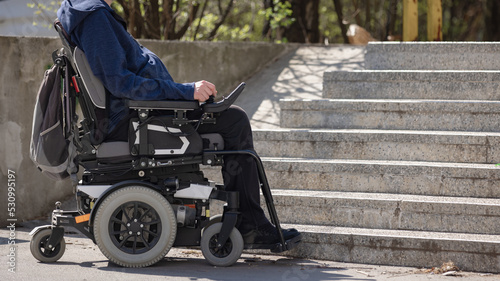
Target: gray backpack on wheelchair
[138, 198]
[52, 148]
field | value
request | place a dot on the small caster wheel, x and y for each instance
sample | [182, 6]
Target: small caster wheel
[216, 218]
[38, 243]
[226, 255]
[213, 220]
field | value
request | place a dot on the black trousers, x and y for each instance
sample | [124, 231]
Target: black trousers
[239, 171]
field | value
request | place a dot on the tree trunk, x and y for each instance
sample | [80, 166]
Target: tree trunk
[492, 21]
[305, 29]
[199, 22]
[266, 31]
[138, 19]
[357, 10]
[391, 19]
[152, 16]
[168, 20]
[193, 10]
[368, 14]
[222, 18]
[340, 16]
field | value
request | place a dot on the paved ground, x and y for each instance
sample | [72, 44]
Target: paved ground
[296, 75]
[83, 261]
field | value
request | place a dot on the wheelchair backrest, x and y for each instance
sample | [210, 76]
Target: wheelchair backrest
[90, 91]
[80, 64]
[94, 86]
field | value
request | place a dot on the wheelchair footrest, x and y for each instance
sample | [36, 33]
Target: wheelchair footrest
[289, 244]
[277, 247]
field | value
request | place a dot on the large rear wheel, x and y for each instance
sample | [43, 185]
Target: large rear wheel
[135, 226]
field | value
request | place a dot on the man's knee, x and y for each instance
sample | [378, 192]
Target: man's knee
[237, 114]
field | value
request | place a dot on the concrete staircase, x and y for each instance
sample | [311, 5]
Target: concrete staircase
[394, 167]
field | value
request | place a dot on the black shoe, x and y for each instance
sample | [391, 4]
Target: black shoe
[268, 235]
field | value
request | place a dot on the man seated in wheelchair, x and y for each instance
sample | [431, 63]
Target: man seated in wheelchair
[130, 71]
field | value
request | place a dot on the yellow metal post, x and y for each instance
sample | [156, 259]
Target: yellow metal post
[410, 20]
[434, 20]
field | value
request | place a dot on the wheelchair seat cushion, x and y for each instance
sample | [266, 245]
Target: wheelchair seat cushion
[119, 151]
[115, 151]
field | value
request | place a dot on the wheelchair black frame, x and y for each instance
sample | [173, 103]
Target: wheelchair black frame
[87, 158]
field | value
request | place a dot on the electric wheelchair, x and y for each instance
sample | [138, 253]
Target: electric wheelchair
[137, 199]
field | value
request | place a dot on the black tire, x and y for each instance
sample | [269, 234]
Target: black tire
[135, 226]
[38, 243]
[228, 254]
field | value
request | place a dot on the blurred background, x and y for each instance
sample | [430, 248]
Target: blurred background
[280, 21]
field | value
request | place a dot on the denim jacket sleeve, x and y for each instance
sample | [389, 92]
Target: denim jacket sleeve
[127, 69]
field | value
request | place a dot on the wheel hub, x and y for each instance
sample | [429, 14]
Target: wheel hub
[135, 226]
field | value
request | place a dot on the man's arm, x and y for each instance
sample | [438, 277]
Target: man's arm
[106, 44]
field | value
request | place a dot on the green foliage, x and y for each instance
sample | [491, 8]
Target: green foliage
[280, 15]
[328, 23]
[244, 23]
[43, 11]
[52, 6]
[247, 21]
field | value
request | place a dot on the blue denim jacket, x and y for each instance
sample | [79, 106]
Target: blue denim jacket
[127, 69]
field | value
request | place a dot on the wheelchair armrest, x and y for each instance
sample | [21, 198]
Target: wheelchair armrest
[164, 105]
[213, 107]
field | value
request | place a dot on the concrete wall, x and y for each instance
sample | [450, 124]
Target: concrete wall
[22, 64]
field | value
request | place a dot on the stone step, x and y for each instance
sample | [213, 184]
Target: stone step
[433, 55]
[470, 252]
[398, 177]
[443, 115]
[430, 146]
[389, 211]
[394, 84]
